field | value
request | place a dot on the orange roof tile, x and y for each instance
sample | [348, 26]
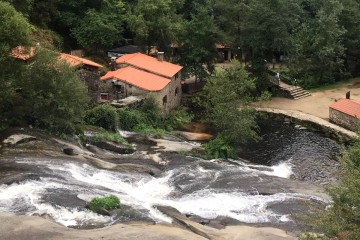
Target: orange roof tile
[23, 53]
[150, 64]
[75, 61]
[347, 106]
[138, 78]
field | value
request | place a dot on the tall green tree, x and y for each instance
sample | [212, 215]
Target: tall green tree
[342, 219]
[198, 44]
[155, 23]
[269, 28]
[23, 6]
[225, 100]
[349, 19]
[52, 97]
[101, 29]
[14, 31]
[319, 43]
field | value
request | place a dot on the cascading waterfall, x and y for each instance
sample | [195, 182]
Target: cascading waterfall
[191, 188]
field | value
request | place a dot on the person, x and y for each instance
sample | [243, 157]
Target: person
[295, 81]
[277, 76]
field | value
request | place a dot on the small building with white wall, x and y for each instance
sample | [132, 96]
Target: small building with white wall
[345, 113]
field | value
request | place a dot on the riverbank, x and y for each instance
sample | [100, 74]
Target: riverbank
[318, 103]
[331, 128]
[35, 227]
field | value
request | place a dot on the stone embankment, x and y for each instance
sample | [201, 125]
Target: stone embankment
[326, 126]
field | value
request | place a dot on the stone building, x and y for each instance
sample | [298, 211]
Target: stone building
[87, 70]
[138, 75]
[345, 113]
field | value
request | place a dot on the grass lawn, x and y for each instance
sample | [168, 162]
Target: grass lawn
[331, 86]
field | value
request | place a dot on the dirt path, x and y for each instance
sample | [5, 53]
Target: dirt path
[318, 103]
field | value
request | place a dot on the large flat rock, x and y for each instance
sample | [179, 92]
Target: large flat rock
[18, 138]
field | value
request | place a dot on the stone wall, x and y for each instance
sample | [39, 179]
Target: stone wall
[167, 98]
[343, 120]
[92, 81]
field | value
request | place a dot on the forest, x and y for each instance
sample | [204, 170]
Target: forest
[318, 38]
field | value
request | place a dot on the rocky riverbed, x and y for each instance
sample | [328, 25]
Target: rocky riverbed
[212, 199]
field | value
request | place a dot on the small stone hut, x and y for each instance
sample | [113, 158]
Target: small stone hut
[88, 71]
[345, 113]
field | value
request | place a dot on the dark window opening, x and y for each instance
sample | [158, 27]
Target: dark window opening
[165, 100]
[176, 91]
[104, 96]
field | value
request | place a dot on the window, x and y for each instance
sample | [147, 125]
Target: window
[176, 91]
[165, 100]
[104, 96]
[176, 76]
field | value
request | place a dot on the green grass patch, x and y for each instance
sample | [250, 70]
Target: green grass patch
[109, 202]
[105, 136]
[336, 85]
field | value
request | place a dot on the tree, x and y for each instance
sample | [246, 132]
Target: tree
[23, 6]
[52, 97]
[349, 19]
[342, 219]
[223, 95]
[319, 48]
[155, 23]
[268, 29]
[99, 30]
[198, 44]
[14, 31]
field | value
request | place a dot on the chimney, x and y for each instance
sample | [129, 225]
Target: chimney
[160, 56]
[348, 95]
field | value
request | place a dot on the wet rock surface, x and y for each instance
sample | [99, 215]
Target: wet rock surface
[156, 159]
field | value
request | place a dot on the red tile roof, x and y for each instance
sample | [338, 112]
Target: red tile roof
[75, 61]
[347, 106]
[138, 78]
[150, 64]
[23, 53]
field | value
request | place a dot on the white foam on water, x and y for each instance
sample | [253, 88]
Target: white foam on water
[282, 170]
[245, 208]
[27, 196]
[142, 191]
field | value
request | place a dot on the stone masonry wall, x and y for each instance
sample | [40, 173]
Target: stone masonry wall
[92, 81]
[343, 119]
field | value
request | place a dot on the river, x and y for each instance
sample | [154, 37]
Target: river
[267, 191]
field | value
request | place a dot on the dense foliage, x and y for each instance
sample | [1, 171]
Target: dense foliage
[104, 116]
[342, 219]
[319, 38]
[10, 69]
[109, 202]
[224, 103]
[51, 95]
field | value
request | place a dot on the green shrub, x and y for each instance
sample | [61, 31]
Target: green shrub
[265, 96]
[177, 117]
[130, 118]
[143, 128]
[109, 136]
[104, 116]
[152, 112]
[220, 147]
[108, 203]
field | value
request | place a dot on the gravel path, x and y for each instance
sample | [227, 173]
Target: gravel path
[318, 103]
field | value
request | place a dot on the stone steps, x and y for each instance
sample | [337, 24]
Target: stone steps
[296, 92]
